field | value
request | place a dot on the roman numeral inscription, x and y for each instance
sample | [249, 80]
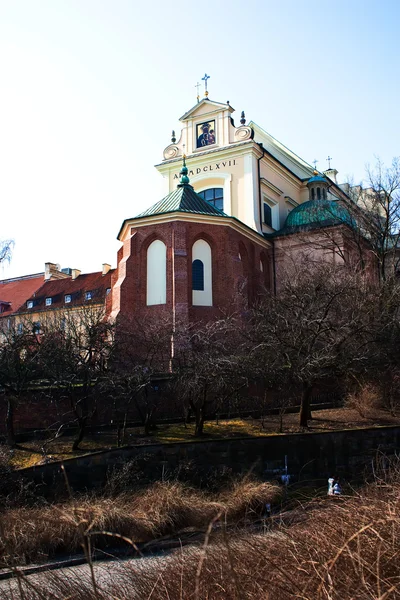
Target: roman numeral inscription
[208, 168]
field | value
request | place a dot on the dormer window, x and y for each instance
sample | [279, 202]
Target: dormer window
[29, 304]
[67, 298]
[49, 301]
[88, 295]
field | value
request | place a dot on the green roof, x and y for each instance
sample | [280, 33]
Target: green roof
[317, 213]
[183, 199]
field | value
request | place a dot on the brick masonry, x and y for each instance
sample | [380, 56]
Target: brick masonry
[236, 273]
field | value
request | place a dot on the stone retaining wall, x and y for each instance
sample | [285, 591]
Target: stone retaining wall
[310, 456]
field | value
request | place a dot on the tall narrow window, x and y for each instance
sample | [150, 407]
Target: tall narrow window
[202, 294]
[156, 273]
[267, 215]
[198, 275]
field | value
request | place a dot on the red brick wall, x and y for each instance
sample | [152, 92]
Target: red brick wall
[235, 280]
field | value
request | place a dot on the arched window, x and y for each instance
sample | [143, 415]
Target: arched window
[201, 274]
[312, 194]
[198, 275]
[156, 273]
[214, 196]
[318, 193]
[324, 193]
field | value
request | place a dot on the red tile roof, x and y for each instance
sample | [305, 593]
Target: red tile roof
[17, 291]
[33, 287]
[57, 289]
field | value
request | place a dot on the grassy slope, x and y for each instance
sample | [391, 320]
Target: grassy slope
[30, 453]
[336, 549]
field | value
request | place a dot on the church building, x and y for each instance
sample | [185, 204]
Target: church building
[237, 203]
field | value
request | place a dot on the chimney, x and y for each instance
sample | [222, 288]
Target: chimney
[106, 268]
[75, 273]
[50, 270]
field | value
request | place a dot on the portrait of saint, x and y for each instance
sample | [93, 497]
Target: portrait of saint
[205, 133]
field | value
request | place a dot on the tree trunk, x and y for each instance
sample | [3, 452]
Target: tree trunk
[119, 433]
[80, 434]
[148, 422]
[10, 423]
[199, 422]
[305, 409]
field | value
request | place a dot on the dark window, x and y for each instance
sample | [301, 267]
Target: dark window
[214, 196]
[318, 193]
[197, 275]
[324, 193]
[267, 215]
[312, 194]
[36, 328]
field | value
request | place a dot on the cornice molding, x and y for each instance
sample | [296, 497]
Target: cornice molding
[271, 186]
[196, 218]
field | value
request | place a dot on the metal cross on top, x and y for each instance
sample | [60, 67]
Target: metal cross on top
[197, 86]
[315, 162]
[205, 83]
[329, 161]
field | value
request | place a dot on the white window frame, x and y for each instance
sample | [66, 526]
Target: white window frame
[201, 250]
[29, 304]
[67, 298]
[88, 295]
[49, 301]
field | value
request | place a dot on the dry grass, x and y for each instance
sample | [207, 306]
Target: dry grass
[334, 549]
[339, 549]
[35, 534]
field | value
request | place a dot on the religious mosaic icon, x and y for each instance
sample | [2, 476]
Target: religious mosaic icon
[205, 134]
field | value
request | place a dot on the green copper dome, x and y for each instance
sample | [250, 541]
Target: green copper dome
[318, 213]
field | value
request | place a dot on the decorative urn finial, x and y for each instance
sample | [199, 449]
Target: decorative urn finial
[184, 173]
[243, 118]
[173, 138]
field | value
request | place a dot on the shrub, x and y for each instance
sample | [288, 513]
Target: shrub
[364, 400]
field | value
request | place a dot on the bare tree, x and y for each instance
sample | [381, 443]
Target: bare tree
[313, 329]
[19, 366]
[76, 347]
[378, 214]
[207, 365]
[142, 352]
[362, 228]
[6, 247]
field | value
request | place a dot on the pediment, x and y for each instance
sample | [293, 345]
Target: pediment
[205, 107]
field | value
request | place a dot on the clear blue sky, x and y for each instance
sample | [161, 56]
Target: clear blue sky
[91, 89]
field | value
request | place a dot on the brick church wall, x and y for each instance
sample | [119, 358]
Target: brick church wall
[236, 272]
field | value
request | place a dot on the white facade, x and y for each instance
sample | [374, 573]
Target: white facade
[250, 165]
